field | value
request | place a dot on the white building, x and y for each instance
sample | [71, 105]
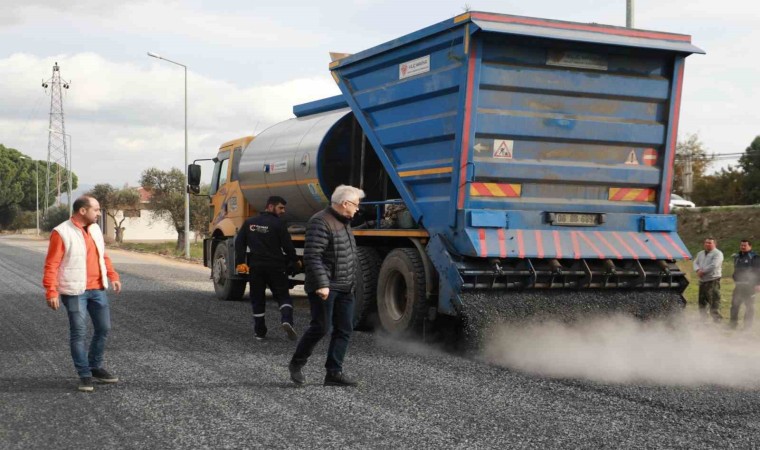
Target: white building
[142, 225]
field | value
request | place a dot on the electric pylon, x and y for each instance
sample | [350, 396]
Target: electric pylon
[59, 159]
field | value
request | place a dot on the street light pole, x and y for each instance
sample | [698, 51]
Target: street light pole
[37, 194]
[187, 193]
[36, 190]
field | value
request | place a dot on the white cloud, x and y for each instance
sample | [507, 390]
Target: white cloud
[241, 29]
[124, 118]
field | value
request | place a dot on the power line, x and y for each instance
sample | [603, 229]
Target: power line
[715, 157]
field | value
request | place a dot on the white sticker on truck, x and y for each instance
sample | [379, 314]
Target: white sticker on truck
[278, 167]
[414, 67]
[581, 60]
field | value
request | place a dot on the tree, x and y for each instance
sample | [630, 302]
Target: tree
[750, 164]
[113, 200]
[11, 177]
[16, 172]
[54, 216]
[167, 190]
[720, 189]
[199, 212]
[692, 148]
[19, 183]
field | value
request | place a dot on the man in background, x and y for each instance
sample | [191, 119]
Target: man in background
[271, 256]
[709, 268]
[747, 282]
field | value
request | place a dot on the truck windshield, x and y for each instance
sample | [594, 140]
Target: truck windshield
[219, 176]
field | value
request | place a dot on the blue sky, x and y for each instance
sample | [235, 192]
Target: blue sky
[249, 62]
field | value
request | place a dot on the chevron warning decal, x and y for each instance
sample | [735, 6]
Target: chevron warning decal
[495, 190]
[632, 195]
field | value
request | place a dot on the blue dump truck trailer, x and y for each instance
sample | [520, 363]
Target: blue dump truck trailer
[510, 164]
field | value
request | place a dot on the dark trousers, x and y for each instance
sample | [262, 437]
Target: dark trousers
[336, 314]
[277, 281]
[709, 294]
[743, 294]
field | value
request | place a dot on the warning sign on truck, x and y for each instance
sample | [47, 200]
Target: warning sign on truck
[502, 148]
[632, 160]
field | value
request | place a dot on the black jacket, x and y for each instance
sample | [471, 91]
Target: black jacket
[266, 235]
[329, 252]
[747, 268]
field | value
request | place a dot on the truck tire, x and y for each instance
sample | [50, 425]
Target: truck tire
[365, 306]
[401, 304]
[226, 288]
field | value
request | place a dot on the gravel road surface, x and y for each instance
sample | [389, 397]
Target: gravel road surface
[192, 376]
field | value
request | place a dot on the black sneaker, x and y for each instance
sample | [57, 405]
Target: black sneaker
[296, 375]
[290, 331]
[104, 376]
[260, 333]
[86, 385]
[338, 379]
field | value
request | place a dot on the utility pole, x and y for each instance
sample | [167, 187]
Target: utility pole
[687, 175]
[187, 190]
[58, 159]
[629, 13]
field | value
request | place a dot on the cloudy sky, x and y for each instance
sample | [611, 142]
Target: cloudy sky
[249, 62]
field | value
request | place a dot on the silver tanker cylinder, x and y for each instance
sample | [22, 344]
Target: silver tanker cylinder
[302, 160]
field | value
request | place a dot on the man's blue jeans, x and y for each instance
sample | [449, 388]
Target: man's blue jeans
[336, 313]
[94, 301]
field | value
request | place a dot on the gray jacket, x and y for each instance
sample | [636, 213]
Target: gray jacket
[711, 264]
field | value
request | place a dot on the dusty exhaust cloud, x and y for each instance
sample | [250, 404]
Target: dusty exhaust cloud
[624, 350]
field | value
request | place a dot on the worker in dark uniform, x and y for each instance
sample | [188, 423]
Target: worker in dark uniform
[747, 282]
[271, 257]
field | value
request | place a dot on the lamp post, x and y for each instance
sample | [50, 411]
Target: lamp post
[66, 135]
[36, 190]
[187, 193]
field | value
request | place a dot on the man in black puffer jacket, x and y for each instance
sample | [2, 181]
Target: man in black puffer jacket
[330, 263]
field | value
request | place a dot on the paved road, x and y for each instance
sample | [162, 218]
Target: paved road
[193, 377]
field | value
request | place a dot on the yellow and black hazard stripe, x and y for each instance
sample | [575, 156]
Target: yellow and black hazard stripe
[632, 195]
[495, 190]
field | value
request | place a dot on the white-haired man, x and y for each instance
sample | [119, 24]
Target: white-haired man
[329, 260]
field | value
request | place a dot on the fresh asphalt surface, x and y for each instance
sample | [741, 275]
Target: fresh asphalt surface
[192, 376]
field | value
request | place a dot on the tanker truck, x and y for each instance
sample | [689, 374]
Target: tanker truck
[510, 163]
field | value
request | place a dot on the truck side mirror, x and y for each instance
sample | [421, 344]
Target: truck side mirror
[193, 178]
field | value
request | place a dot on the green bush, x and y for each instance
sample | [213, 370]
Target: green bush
[54, 217]
[8, 215]
[24, 220]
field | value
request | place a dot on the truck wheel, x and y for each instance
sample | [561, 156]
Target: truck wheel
[365, 305]
[226, 288]
[401, 302]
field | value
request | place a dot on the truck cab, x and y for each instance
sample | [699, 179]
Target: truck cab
[228, 210]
